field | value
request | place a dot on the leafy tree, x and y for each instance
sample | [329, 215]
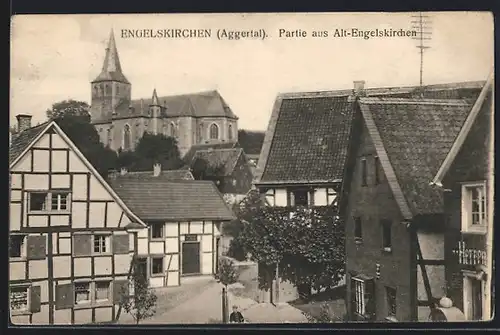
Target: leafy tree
[227, 274]
[68, 108]
[153, 149]
[307, 244]
[142, 304]
[251, 141]
[73, 118]
[324, 316]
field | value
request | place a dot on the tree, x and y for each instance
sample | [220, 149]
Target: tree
[154, 148]
[226, 274]
[73, 118]
[142, 304]
[306, 244]
[68, 108]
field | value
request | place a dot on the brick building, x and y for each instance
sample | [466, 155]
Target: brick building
[465, 178]
[395, 224]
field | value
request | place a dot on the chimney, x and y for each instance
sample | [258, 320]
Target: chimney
[359, 87]
[23, 122]
[156, 169]
[123, 171]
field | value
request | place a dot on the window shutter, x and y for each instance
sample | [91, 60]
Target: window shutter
[35, 299]
[120, 288]
[370, 298]
[82, 244]
[64, 296]
[121, 244]
[36, 247]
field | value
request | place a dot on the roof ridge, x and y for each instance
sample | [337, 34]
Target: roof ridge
[419, 101]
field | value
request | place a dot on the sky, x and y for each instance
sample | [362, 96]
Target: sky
[54, 57]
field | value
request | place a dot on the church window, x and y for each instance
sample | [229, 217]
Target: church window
[199, 134]
[96, 90]
[230, 132]
[106, 89]
[214, 131]
[108, 137]
[173, 132]
[117, 89]
[126, 137]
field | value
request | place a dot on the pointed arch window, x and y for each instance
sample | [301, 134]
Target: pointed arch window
[108, 137]
[96, 90]
[199, 133]
[173, 132]
[230, 132]
[126, 137]
[214, 131]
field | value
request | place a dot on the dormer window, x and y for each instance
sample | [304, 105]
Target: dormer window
[474, 208]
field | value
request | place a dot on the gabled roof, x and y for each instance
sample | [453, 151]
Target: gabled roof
[22, 140]
[148, 175]
[199, 104]
[309, 140]
[412, 138]
[459, 141]
[285, 156]
[28, 140]
[224, 158]
[167, 200]
[188, 157]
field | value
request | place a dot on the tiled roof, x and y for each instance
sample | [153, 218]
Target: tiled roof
[172, 200]
[188, 157]
[23, 139]
[417, 134]
[227, 158]
[148, 175]
[201, 104]
[310, 140]
[251, 141]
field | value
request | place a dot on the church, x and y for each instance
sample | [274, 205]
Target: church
[194, 118]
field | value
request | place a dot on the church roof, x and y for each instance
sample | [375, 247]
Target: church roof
[199, 104]
[111, 69]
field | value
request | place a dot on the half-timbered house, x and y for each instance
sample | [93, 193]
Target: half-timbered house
[70, 250]
[184, 218]
[466, 180]
[395, 252]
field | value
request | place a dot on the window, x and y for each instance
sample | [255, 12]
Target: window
[200, 133]
[157, 265]
[358, 287]
[300, 198]
[357, 229]
[17, 246]
[376, 170]
[38, 201]
[126, 138]
[391, 301]
[214, 131]
[19, 298]
[108, 135]
[271, 197]
[82, 293]
[230, 132]
[59, 201]
[363, 172]
[173, 132]
[386, 235]
[102, 291]
[157, 230]
[362, 297]
[101, 244]
[474, 208]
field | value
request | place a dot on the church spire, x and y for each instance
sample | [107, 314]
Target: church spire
[154, 101]
[111, 68]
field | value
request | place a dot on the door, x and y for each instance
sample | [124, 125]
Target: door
[142, 267]
[190, 258]
[476, 299]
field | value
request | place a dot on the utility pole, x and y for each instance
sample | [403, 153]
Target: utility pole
[421, 23]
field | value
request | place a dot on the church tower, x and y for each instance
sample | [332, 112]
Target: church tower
[111, 88]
